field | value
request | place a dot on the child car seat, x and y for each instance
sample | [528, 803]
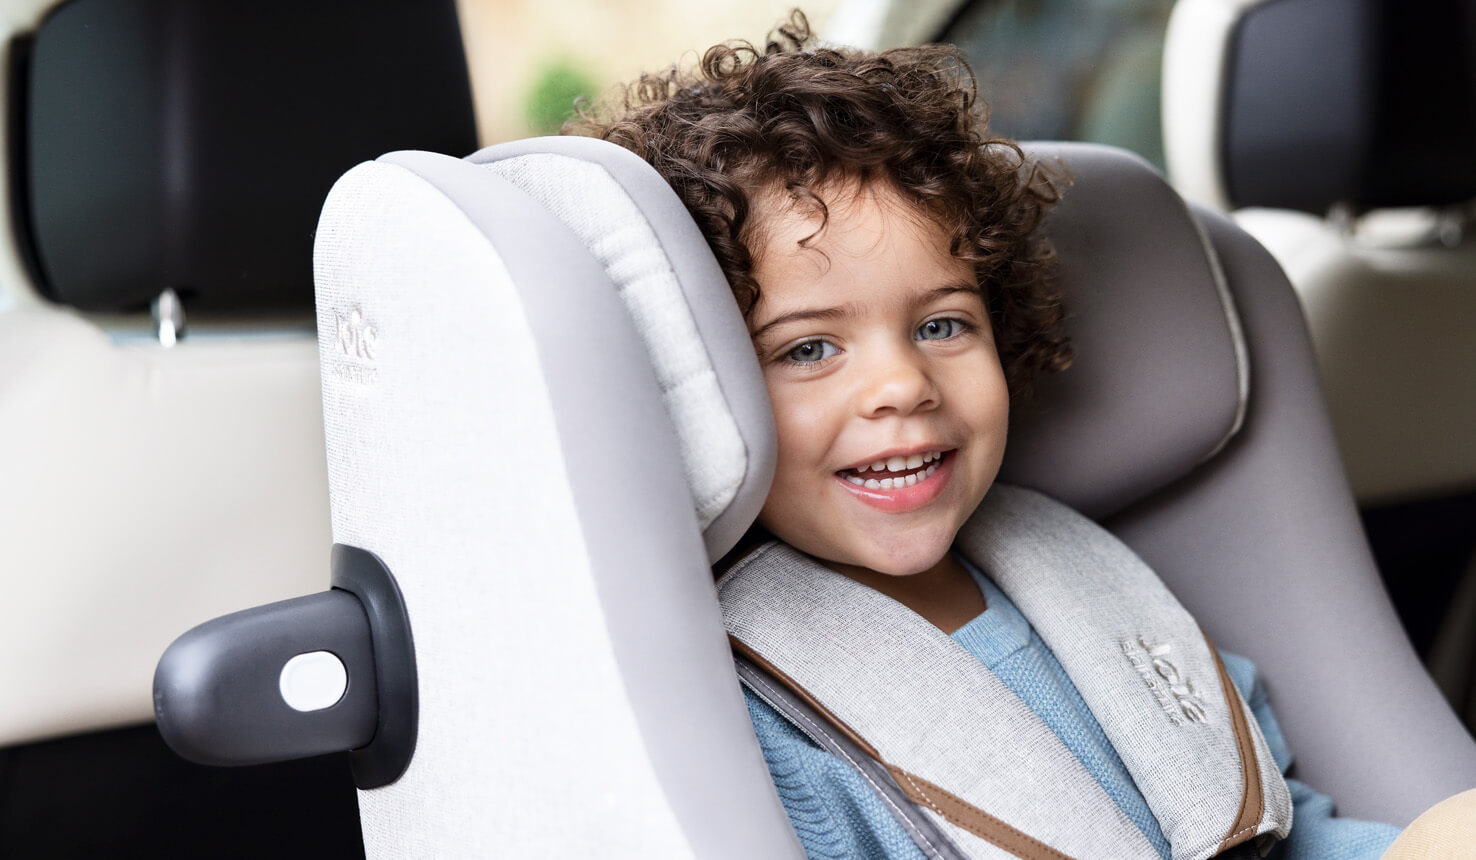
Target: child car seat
[547, 473]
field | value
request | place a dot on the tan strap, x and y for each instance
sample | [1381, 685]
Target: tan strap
[921, 792]
[1252, 800]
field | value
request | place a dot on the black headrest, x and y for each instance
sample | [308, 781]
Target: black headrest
[189, 144]
[1366, 102]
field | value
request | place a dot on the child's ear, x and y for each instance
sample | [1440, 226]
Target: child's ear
[755, 537]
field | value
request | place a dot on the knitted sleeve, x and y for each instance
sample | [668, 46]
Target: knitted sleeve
[832, 809]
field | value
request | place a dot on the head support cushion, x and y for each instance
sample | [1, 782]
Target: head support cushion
[635, 226]
[1160, 377]
[1158, 385]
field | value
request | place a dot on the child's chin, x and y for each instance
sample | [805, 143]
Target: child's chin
[913, 560]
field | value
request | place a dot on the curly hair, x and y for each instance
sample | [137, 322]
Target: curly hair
[790, 116]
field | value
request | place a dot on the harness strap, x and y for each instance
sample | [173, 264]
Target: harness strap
[820, 727]
[965, 750]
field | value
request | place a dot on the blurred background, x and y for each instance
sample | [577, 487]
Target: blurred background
[529, 60]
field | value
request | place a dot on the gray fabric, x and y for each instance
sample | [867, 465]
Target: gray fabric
[1120, 634]
[924, 831]
[568, 660]
[1272, 515]
[1159, 381]
[858, 653]
[723, 334]
[584, 197]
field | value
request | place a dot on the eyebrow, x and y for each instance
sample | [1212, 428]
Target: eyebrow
[844, 311]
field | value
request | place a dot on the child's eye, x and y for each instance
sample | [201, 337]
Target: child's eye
[940, 329]
[812, 351]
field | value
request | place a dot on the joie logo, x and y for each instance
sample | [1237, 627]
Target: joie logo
[358, 342]
[1175, 693]
[356, 338]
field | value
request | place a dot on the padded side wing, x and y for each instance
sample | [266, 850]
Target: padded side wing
[495, 435]
[1264, 546]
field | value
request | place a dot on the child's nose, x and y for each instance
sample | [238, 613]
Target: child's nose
[898, 386]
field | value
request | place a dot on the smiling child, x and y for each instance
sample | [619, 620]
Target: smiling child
[882, 247]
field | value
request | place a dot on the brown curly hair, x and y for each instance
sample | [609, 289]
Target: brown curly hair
[789, 116]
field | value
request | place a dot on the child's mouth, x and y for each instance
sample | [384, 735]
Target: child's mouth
[896, 473]
[914, 484]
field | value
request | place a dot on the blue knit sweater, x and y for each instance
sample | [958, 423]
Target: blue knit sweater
[836, 815]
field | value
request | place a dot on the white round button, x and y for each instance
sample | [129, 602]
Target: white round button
[313, 681]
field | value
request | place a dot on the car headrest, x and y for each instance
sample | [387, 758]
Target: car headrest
[636, 227]
[1160, 380]
[1158, 387]
[172, 143]
[1303, 104]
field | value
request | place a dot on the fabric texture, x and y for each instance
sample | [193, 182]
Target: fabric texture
[1127, 641]
[836, 815]
[1139, 660]
[1446, 831]
[601, 214]
[396, 256]
[781, 604]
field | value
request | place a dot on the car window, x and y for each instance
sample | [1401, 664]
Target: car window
[1069, 69]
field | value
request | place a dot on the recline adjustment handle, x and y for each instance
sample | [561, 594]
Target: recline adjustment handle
[325, 673]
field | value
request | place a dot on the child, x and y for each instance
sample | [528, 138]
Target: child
[881, 248]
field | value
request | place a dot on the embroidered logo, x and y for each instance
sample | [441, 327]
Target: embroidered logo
[357, 343]
[1176, 695]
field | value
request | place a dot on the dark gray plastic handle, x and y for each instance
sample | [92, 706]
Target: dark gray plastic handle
[250, 688]
[218, 689]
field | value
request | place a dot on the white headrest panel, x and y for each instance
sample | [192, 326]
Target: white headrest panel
[598, 210]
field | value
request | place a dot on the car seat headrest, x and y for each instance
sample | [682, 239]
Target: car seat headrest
[1302, 104]
[186, 145]
[1159, 384]
[1160, 380]
[636, 227]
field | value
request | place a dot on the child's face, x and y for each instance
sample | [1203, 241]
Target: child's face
[875, 346]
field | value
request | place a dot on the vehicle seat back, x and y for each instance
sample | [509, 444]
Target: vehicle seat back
[497, 434]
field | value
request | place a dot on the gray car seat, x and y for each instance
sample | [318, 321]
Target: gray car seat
[544, 419]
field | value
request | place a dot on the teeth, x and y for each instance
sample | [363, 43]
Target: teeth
[897, 464]
[900, 481]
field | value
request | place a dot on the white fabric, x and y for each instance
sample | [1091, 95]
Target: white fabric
[1107, 618]
[502, 614]
[602, 215]
[1194, 55]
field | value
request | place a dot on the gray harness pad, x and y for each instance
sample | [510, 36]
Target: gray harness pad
[959, 742]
